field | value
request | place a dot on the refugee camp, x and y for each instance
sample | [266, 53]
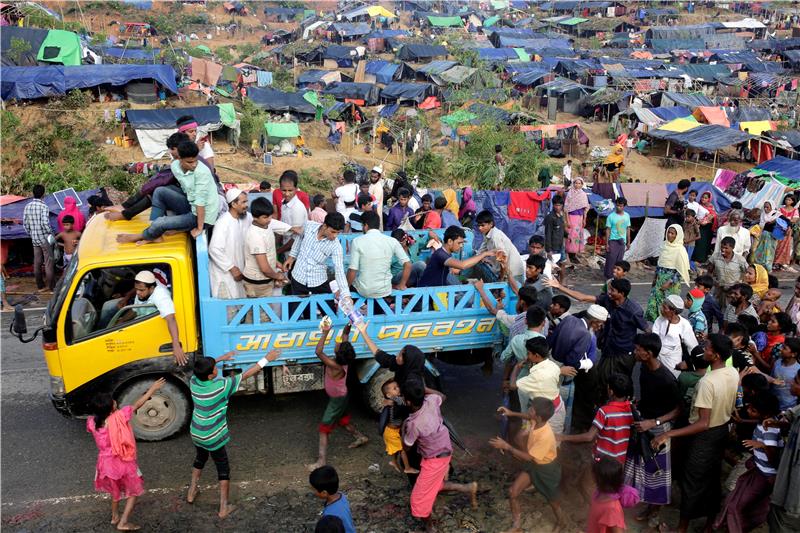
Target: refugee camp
[400, 266]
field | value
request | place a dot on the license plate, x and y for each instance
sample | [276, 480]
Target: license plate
[297, 378]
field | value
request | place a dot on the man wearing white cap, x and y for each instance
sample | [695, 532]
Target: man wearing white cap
[675, 333]
[149, 291]
[226, 249]
[574, 346]
[376, 184]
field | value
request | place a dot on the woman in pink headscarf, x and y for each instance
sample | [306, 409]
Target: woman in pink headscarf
[71, 208]
[468, 207]
[576, 205]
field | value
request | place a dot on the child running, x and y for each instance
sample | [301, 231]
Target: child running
[605, 514]
[117, 471]
[209, 427]
[394, 412]
[540, 468]
[336, 388]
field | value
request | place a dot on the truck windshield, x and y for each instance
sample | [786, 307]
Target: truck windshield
[60, 293]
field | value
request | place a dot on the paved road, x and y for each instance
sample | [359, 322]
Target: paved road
[47, 459]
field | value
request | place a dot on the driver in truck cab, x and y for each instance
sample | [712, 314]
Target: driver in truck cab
[149, 291]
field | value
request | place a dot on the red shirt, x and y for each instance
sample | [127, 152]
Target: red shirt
[605, 514]
[614, 421]
[277, 201]
[433, 220]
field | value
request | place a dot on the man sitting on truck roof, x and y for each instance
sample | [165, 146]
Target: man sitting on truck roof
[195, 207]
[226, 248]
[371, 254]
[309, 256]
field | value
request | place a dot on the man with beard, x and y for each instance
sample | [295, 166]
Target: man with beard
[226, 249]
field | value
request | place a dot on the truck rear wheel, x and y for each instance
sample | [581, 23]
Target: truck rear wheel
[373, 397]
[162, 416]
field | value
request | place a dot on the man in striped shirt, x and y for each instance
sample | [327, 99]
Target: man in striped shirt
[309, 256]
[209, 427]
[36, 221]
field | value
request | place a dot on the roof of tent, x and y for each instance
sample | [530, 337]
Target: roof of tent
[15, 210]
[128, 53]
[747, 24]
[666, 45]
[437, 67]
[355, 91]
[685, 31]
[496, 54]
[387, 34]
[49, 46]
[788, 168]
[457, 74]
[282, 130]
[528, 77]
[411, 52]
[407, 91]
[336, 51]
[791, 137]
[383, 71]
[445, 22]
[161, 119]
[350, 30]
[317, 76]
[274, 100]
[670, 113]
[712, 115]
[704, 71]
[704, 137]
[686, 99]
[25, 83]
[747, 114]
[514, 42]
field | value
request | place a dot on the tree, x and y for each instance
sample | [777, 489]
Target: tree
[19, 47]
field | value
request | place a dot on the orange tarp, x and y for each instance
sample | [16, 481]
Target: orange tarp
[712, 115]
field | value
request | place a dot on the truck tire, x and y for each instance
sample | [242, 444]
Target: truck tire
[162, 416]
[371, 391]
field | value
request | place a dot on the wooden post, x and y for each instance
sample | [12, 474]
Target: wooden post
[596, 231]
[666, 155]
[714, 166]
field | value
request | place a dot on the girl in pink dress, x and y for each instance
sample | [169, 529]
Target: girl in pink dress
[117, 471]
[611, 496]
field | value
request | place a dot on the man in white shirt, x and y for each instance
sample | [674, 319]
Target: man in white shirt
[345, 194]
[293, 211]
[376, 184]
[735, 230]
[149, 291]
[567, 171]
[226, 249]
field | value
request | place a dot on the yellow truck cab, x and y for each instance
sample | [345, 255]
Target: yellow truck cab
[95, 342]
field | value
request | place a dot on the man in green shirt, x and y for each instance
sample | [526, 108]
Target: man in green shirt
[371, 259]
[195, 204]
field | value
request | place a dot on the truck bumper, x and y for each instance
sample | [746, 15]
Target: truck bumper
[60, 403]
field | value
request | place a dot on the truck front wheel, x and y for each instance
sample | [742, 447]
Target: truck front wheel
[162, 416]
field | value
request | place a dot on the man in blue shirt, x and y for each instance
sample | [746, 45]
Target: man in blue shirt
[618, 237]
[399, 211]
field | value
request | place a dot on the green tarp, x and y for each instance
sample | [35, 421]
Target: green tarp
[60, 47]
[203, 48]
[446, 22]
[491, 21]
[229, 73]
[499, 4]
[282, 130]
[572, 21]
[459, 117]
[522, 54]
[227, 114]
[312, 98]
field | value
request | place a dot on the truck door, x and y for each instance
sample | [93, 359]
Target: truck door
[101, 333]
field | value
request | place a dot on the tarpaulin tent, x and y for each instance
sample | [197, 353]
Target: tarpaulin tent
[137, 54]
[684, 31]
[704, 137]
[154, 126]
[47, 46]
[416, 52]
[368, 11]
[445, 22]
[711, 115]
[398, 91]
[677, 125]
[749, 114]
[281, 130]
[532, 44]
[62, 47]
[24, 83]
[322, 77]
[456, 75]
[691, 101]
[384, 71]
[349, 30]
[436, 67]
[274, 100]
[783, 167]
[367, 93]
[497, 54]
[670, 113]
[14, 211]
[757, 127]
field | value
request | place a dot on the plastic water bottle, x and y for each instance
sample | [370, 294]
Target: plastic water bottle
[350, 310]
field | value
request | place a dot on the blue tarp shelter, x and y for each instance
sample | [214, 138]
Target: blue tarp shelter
[670, 113]
[497, 54]
[158, 119]
[788, 168]
[27, 83]
[367, 92]
[15, 210]
[129, 53]
[270, 99]
[416, 92]
[685, 99]
[708, 137]
[417, 52]
[384, 71]
[350, 30]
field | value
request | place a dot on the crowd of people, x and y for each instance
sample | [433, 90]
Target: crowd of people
[705, 374]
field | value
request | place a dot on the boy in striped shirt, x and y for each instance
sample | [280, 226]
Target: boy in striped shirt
[209, 426]
[611, 427]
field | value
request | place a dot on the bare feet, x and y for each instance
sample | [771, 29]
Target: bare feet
[127, 526]
[394, 465]
[409, 470]
[191, 496]
[360, 441]
[128, 237]
[473, 495]
[227, 511]
[316, 465]
[113, 215]
[140, 242]
[114, 519]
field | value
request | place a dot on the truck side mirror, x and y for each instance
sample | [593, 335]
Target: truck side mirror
[18, 325]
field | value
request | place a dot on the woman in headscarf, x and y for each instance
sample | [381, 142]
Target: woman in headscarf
[576, 205]
[71, 209]
[615, 161]
[708, 228]
[764, 253]
[697, 319]
[452, 201]
[757, 277]
[672, 270]
[785, 248]
[468, 208]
